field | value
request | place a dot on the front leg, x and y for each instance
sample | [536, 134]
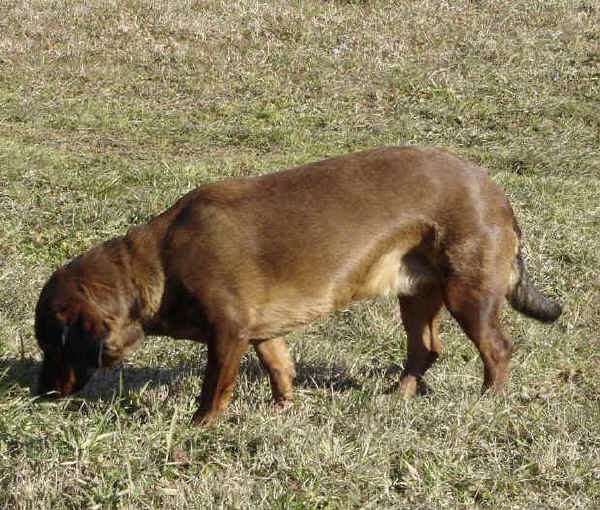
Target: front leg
[225, 350]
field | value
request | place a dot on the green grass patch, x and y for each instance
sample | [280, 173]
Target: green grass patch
[109, 111]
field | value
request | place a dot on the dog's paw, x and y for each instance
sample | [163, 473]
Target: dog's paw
[407, 387]
[282, 406]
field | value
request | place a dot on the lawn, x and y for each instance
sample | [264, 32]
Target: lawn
[111, 110]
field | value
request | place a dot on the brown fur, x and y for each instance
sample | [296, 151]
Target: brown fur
[244, 261]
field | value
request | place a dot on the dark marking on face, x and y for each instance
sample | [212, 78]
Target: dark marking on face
[72, 352]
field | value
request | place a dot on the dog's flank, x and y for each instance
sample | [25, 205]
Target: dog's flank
[244, 261]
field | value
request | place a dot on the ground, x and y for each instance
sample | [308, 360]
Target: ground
[111, 110]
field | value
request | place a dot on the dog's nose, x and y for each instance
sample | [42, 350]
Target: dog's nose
[38, 389]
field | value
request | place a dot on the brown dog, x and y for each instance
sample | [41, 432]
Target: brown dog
[247, 260]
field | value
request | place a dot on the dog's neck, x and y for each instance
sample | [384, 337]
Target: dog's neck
[147, 274]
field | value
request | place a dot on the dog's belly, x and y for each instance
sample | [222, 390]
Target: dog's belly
[395, 273]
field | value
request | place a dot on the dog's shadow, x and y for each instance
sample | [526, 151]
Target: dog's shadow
[124, 379]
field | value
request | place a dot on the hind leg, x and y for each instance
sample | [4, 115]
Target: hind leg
[477, 312]
[276, 360]
[420, 318]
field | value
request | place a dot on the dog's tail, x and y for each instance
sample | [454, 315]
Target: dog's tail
[525, 298]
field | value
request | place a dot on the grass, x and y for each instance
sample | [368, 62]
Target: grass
[109, 111]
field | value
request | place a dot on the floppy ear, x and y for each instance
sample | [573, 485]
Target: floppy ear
[81, 346]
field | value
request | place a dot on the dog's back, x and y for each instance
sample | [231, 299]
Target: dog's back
[290, 246]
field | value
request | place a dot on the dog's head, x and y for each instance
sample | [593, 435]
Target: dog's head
[70, 333]
[83, 321]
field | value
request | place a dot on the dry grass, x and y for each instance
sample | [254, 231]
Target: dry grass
[111, 110]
